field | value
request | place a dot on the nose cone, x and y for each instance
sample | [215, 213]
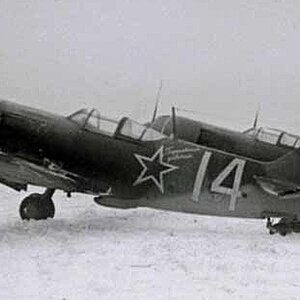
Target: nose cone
[8, 107]
[3, 111]
[14, 117]
[3, 105]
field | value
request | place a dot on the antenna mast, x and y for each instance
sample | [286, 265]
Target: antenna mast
[157, 101]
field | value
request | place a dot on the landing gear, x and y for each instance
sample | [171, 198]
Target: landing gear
[38, 206]
[284, 226]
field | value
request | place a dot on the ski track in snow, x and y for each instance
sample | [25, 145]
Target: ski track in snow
[91, 252]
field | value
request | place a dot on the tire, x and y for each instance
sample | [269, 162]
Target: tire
[283, 233]
[36, 207]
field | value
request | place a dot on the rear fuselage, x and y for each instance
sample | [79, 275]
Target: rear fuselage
[220, 138]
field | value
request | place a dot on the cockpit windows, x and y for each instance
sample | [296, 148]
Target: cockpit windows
[275, 137]
[288, 140]
[108, 126]
[297, 145]
[152, 135]
[138, 131]
[79, 117]
[268, 135]
[92, 121]
[132, 129]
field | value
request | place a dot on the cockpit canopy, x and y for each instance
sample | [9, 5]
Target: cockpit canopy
[137, 131]
[275, 137]
[91, 120]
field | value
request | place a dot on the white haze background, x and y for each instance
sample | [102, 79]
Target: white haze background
[220, 58]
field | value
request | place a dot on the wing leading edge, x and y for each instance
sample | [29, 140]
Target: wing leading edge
[17, 173]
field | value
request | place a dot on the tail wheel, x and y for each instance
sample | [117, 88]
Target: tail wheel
[37, 207]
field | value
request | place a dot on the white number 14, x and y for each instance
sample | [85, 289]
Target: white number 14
[216, 186]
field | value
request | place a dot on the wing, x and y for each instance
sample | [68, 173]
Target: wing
[17, 173]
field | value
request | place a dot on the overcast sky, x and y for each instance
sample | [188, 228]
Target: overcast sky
[220, 58]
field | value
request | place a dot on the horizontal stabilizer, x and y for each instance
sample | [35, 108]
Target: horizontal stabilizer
[278, 188]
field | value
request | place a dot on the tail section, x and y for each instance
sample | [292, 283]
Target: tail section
[282, 176]
[286, 168]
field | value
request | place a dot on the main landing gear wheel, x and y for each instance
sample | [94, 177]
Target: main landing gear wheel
[283, 227]
[37, 206]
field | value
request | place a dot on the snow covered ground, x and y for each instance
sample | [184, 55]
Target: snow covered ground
[90, 252]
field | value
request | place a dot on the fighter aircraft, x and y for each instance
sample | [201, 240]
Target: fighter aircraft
[141, 167]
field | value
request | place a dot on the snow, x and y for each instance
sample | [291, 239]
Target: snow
[91, 252]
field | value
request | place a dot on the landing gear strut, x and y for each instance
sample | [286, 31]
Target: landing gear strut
[284, 226]
[38, 206]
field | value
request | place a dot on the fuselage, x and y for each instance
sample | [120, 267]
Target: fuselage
[165, 173]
